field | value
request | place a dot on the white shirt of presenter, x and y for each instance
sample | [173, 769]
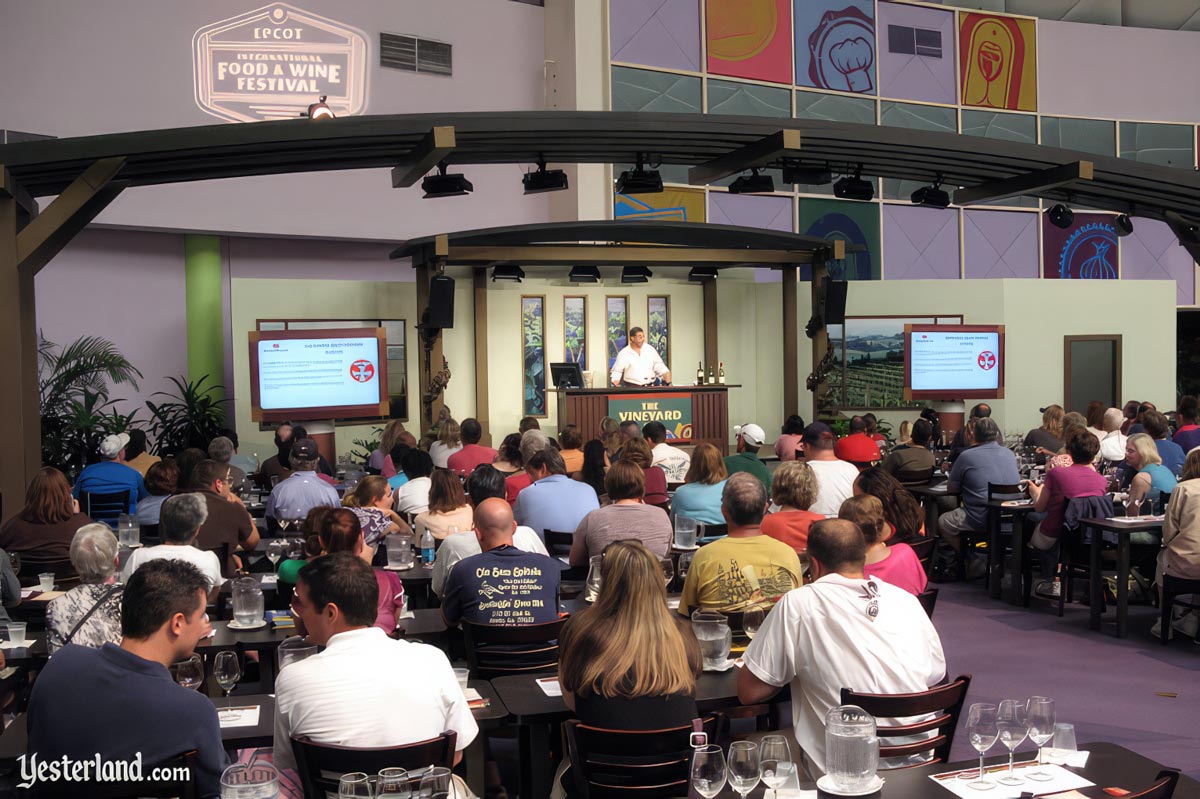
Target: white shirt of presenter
[638, 363]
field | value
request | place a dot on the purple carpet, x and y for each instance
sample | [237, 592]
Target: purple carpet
[1103, 685]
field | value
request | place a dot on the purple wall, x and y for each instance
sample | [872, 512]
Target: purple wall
[771, 213]
[1152, 252]
[911, 76]
[657, 33]
[920, 243]
[315, 260]
[1000, 244]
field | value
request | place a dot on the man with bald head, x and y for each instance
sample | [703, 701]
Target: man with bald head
[503, 584]
[841, 630]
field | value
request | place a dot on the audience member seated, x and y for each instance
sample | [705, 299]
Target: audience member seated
[179, 524]
[699, 497]
[1139, 421]
[1047, 439]
[294, 497]
[187, 461]
[341, 532]
[896, 563]
[120, 702]
[905, 520]
[858, 447]
[448, 511]
[750, 438]
[1062, 485]
[554, 501]
[903, 436]
[745, 568]
[595, 466]
[1158, 428]
[324, 470]
[484, 483]
[502, 584]
[449, 442]
[638, 451]
[528, 423]
[672, 460]
[162, 480]
[1072, 424]
[626, 662]
[628, 430]
[1152, 481]
[413, 496]
[627, 517]
[220, 449]
[873, 428]
[1094, 415]
[90, 613]
[572, 450]
[533, 441]
[915, 457]
[408, 695]
[276, 468]
[136, 456]
[835, 477]
[48, 522]
[1180, 555]
[228, 520]
[843, 630]
[371, 501]
[472, 453]
[610, 436]
[397, 477]
[508, 459]
[959, 443]
[310, 529]
[985, 462]
[794, 490]
[10, 591]
[247, 463]
[380, 460]
[1188, 414]
[788, 442]
[1112, 445]
[110, 474]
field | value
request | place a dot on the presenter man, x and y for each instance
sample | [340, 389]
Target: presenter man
[639, 363]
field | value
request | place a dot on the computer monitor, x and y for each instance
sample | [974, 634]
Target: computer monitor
[566, 375]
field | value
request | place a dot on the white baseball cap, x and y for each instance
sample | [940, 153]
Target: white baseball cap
[112, 444]
[752, 433]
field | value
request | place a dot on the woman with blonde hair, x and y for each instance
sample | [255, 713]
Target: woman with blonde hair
[794, 490]
[699, 497]
[449, 441]
[381, 459]
[897, 564]
[610, 434]
[638, 451]
[1072, 424]
[1048, 439]
[371, 502]
[448, 511]
[1152, 480]
[628, 662]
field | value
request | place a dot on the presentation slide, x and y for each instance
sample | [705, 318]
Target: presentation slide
[318, 372]
[955, 360]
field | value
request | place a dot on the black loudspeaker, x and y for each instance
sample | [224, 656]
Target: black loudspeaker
[835, 301]
[440, 313]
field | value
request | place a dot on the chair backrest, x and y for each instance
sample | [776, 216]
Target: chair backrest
[619, 763]
[321, 766]
[495, 650]
[34, 563]
[924, 547]
[222, 553]
[944, 703]
[711, 530]
[914, 477]
[183, 788]
[928, 599]
[104, 507]
[1163, 786]
[558, 543]
[1004, 491]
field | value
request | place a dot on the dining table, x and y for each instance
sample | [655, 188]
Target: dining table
[1096, 533]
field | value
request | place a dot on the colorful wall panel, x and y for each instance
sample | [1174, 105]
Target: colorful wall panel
[575, 331]
[749, 39]
[916, 49]
[1000, 244]
[657, 33]
[855, 223]
[1087, 250]
[920, 243]
[997, 59]
[672, 205]
[835, 45]
[533, 344]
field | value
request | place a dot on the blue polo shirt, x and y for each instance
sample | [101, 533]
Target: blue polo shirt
[974, 469]
[554, 503]
[109, 477]
[111, 702]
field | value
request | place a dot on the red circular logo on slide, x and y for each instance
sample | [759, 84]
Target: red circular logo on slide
[362, 371]
[987, 360]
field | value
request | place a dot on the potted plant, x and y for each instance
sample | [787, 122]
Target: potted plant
[191, 417]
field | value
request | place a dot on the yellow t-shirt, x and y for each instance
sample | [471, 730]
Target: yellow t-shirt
[143, 462]
[733, 574]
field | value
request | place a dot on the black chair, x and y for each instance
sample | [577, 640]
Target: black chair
[222, 553]
[495, 650]
[924, 551]
[1172, 588]
[149, 535]
[711, 530]
[945, 701]
[1163, 786]
[914, 477]
[619, 763]
[928, 600]
[558, 543]
[34, 563]
[321, 766]
[183, 788]
[1073, 555]
[104, 507]
[997, 491]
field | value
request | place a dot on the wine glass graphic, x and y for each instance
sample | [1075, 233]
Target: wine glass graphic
[990, 60]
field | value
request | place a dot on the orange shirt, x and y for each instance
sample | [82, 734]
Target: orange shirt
[790, 527]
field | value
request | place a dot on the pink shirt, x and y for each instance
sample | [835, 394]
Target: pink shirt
[902, 568]
[466, 459]
[1066, 483]
[786, 446]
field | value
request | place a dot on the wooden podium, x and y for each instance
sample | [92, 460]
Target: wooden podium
[585, 407]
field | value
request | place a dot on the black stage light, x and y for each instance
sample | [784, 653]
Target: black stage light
[854, 188]
[319, 110]
[513, 273]
[932, 196]
[1060, 216]
[636, 274]
[1123, 224]
[640, 180]
[807, 174]
[754, 183]
[544, 180]
[699, 274]
[444, 185]
[584, 274]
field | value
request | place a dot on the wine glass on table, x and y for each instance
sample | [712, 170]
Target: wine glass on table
[752, 619]
[188, 673]
[685, 563]
[775, 762]
[228, 671]
[668, 570]
[1013, 725]
[275, 552]
[437, 783]
[708, 770]
[743, 767]
[393, 783]
[1040, 715]
[982, 733]
[355, 785]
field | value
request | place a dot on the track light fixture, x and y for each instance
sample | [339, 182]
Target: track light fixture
[1060, 216]
[807, 174]
[1123, 224]
[854, 187]
[933, 195]
[584, 274]
[640, 180]
[754, 183]
[636, 274]
[699, 274]
[446, 185]
[513, 272]
[319, 110]
[544, 179]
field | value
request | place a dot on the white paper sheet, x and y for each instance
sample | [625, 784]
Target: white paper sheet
[1061, 780]
[1065, 758]
[246, 716]
[549, 686]
[270, 579]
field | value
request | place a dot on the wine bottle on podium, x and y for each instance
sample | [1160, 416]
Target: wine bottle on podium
[700, 373]
[711, 378]
[721, 374]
